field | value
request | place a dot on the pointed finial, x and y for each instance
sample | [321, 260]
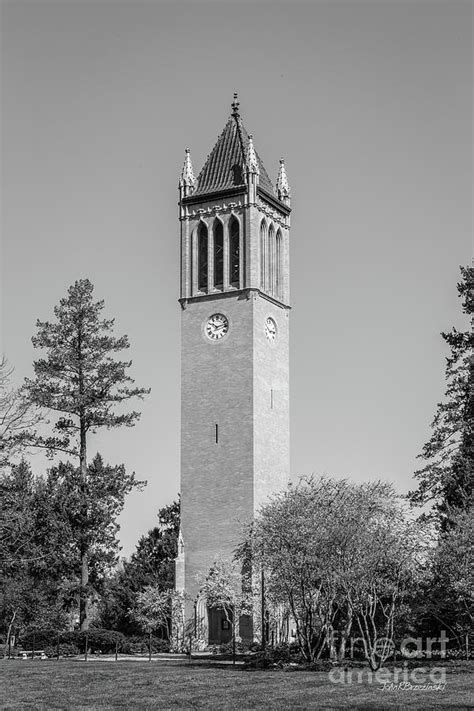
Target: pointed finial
[235, 105]
[282, 185]
[180, 543]
[187, 174]
[252, 160]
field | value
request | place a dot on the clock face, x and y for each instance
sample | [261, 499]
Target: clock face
[217, 326]
[270, 329]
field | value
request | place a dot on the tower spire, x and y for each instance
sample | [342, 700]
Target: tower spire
[251, 157]
[187, 175]
[282, 185]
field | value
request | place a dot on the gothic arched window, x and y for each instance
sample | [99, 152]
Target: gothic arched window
[271, 260]
[263, 254]
[234, 253]
[279, 266]
[218, 255]
[202, 257]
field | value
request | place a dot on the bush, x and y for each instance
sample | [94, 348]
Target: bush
[98, 641]
[259, 660]
[39, 639]
[227, 647]
[65, 650]
[285, 652]
[281, 655]
[160, 645]
[139, 645]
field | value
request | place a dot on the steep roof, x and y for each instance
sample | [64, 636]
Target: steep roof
[225, 166]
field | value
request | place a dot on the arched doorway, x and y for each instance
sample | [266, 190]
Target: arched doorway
[220, 625]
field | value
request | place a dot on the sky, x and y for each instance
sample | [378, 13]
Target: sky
[370, 103]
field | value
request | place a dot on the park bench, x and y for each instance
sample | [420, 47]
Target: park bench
[29, 654]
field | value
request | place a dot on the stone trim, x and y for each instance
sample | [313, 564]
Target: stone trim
[248, 293]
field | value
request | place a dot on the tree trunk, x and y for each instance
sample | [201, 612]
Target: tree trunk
[9, 632]
[83, 598]
[84, 543]
[345, 636]
[330, 642]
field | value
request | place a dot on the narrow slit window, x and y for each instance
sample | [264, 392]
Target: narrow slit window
[271, 399]
[217, 434]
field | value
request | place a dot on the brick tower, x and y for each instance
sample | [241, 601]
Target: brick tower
[234, 354]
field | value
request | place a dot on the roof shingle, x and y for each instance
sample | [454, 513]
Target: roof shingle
[225, 165]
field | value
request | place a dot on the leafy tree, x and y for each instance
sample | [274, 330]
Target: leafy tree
[338, 556]
[153, 562]
[224, 589]
[39, 553]
[151, 565]
[152, 610]
[79, 379]
[387, 570]
[30, 586]
[16, 417]
[16, 487]
[447, 477]
[116, 601]
[447, 595]
[15, 534]
[453, 584]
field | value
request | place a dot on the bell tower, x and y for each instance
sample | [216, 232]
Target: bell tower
[235, 229]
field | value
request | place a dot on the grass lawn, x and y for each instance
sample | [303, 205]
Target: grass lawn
[74, 684]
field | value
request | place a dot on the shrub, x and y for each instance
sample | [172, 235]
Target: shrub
[259, 660]
[286, 652]
[99, 640]
[39, 639]
[281, 655]
[227, 647]
[139, 645]
[65, 650]
[160, 645]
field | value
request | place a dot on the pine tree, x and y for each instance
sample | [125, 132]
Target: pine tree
[447, 477]
[79, 379]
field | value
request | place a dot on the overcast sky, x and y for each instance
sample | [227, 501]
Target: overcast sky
[370, 103]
